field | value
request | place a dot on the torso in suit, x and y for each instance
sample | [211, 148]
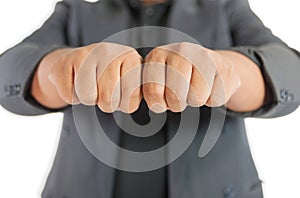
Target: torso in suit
[226, 171]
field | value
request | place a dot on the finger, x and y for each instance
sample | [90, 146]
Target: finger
[131, 96]
[109, 91]
[62, 77]
[203, 70]
[225, 85]
[178, 78]
[201, 84]
[154, 83]
[217, 97]
[86, 82]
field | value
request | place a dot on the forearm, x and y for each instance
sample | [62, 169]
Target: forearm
[42, 89]
[251, 95]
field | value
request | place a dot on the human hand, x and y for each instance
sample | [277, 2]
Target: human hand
[103, 74]
[182, 74]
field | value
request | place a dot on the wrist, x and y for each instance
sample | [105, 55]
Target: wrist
[42, 89]
[251, 94]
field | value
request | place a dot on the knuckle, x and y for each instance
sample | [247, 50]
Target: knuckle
[175, 60]
[108, 72]
[106, 98]
[205, 54]
[125, 110]
[135, 95]
[157, 107]
[133, 53]
[182, 45]
[155, 55]
[177, 109]
[197, 101]
[130, 96]
[172, 97]
[130, 108]
[88, 99]
[105, 108]
[155, 52]
[153, 92]
[133, 109]
[197, 98]
[201, 100]
[215, 102]
[203, 51]
[79, 53]
[103, 45]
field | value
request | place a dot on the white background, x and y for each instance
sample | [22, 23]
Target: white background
[28, 144]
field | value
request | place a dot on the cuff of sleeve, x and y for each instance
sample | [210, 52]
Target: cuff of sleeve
[280, 67]
[15, 95]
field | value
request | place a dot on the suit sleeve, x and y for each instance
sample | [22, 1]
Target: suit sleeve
[280, 65]
[18, 64]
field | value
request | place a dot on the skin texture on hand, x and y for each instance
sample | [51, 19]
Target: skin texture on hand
[193, 75]
[174, 76]
[103, 74]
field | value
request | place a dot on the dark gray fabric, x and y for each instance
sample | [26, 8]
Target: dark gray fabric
[18, 63]
[146, 182]
[227, 171]
[277, 74]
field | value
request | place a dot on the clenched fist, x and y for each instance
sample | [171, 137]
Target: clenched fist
[174, 76]
[182, 74]
[103, 74]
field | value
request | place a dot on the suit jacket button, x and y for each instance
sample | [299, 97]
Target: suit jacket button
[229, 192]
[149, 12]
[290, 98]
[12, 90]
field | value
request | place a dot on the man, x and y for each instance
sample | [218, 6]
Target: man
[239, 64]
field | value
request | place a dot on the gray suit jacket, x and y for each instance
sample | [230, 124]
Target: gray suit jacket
[228, 169]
